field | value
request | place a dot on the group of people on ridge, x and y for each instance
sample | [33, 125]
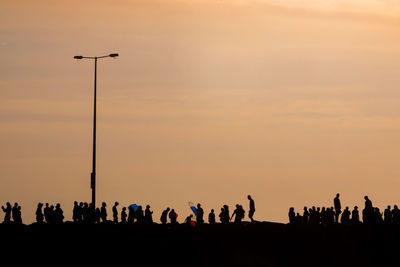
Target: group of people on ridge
[330, 215]
[87, 213]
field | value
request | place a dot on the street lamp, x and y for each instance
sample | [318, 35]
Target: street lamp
[93, 174]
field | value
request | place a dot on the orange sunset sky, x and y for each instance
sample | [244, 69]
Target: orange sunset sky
[210, 100]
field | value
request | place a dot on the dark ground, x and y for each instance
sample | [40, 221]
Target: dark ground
[258, 244]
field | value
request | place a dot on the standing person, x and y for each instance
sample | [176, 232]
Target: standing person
[58, 214]
[200, 214]
[92, 213]
[387, 215]
[226, 214]
[396, 215]
[51, 214]
[14, 212]
[80, 212]
[338, 207]
[18, 215]
[39, 213]
[123, 215]
[368, 203]
[140, 214]
[211, 217]
[292, 215]
[97, 215]
[85, 213]
[131, 214]
[345, 219]
[305, 215]
[115, 212]
[75, 212]
[148, 217]
[7, 211]
[368, 212]
[103, 212]
[164, 215]
[355, 216]
[172, 216]
[222, 215]
[47, 213]
[252, 208]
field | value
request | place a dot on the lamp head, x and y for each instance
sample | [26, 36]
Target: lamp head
[113, 55]
[78, 57]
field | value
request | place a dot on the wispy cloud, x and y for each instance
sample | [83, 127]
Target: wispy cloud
[383, 7]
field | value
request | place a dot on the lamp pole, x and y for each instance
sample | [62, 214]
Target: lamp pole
[93, 174]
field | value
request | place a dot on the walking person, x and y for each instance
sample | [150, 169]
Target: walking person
[252, 208]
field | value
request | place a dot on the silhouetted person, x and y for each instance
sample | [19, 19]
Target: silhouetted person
[103, 212]
[115, 212]
[318, 216]
[323, 216]
[39, 213]
[97, 216]
[148, 215]
[345, 216]
[85, 213]
[368, 203]
[200, 214]
[305, 216]
[19, 215]
[387, 215]
[123, 215]
[355, 216]
[314, 216]
[238, 213]
[396, 215]
[368, 212]
[211, 217]
[188, 219]
[222, 216]
[378, 216]
[311, 215]
[46, 212]
[92, 213]
[292, 216]
[58, 214]
[140, 215]
[131, 215]
[226, 214]
[252, 208]
[298, 219]
[7, 212]
[75, 212]
[164, 215]
[80, 212]
[338, 207]
[172, 216]
[14, 212]
[330, 215]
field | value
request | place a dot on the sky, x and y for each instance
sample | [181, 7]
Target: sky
[209, 101]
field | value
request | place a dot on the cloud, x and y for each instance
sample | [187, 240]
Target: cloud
[382, 7]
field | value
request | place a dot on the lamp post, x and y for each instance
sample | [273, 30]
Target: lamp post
[93, 174]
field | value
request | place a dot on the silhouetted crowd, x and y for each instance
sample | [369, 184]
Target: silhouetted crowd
[89, 214]
[334, 214]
